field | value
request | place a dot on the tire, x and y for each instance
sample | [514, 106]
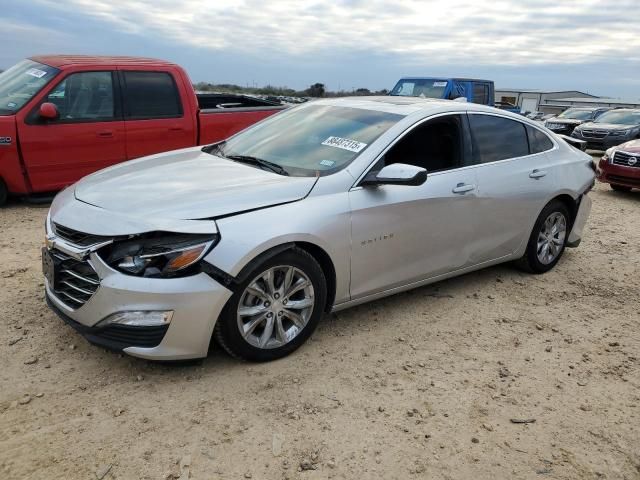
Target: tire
[4, 193]
[619, 188]
[260, 310]
[534, 260]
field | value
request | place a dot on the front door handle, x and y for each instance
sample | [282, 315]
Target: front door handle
[537, 173]
[105, 133]
[463, 188]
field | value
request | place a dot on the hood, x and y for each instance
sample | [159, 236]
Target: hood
[188, 184]
[564, 121]
[632, 146]
[606, 126]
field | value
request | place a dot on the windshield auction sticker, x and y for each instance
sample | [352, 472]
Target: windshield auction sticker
[34, 72]
[344, 143]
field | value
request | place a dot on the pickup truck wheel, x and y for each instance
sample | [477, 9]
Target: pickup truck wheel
[4, 192]
[620, 188]
[548, 239]
[275, 310]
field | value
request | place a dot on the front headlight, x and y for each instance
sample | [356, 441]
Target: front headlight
[620, 133]
[159, 255]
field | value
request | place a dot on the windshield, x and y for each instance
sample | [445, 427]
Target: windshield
[575, 114]
[422, 87]
[621, 117]
[21, 82]
[310, 140]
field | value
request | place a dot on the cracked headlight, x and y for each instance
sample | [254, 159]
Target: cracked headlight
[159, 255]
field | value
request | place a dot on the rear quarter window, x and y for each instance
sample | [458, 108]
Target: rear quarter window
[538, 140]
[151, 95]
[497, 138]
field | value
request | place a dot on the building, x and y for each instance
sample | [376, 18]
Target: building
[535, 100]
[557, 105]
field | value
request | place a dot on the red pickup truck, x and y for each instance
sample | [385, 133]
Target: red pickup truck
[63, 117]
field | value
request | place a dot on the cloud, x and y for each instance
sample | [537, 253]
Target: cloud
[507, 32]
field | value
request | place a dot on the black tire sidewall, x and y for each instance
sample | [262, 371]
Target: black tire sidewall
[4, 192]
[619, 188]
[228, 322]
[532, 247]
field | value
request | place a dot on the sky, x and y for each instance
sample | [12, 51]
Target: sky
[588, 45]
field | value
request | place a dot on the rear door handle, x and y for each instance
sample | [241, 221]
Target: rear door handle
[176, 129]
[537, 173]
[463, 188]
[105, 133]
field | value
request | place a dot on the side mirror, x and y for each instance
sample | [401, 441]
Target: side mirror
[397, 174]
[49, 111]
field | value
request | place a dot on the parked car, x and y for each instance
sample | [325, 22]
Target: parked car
[536, 116]
[610, 129]
[473, 90]
[568, 120]
[324, 206]
[620, 166]
[63, 117]
[509, 107]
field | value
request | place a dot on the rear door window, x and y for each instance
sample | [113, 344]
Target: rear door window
[480, 93]
[151, 95]
[497, 138]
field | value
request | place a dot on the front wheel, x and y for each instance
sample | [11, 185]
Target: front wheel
[548, 239]
[4, 192]
[275, 309]
[620, 188]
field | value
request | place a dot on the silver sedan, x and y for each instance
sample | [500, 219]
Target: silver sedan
[323, 206]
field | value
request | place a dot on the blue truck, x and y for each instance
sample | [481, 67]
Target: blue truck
[474, 90]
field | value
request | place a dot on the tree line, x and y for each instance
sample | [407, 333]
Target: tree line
[315, 90]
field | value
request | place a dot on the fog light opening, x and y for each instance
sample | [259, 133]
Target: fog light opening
[138, 318]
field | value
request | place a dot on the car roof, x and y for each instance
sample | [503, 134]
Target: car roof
[633, 110]
[404, 105]
[61, 61]
[455, 79]
[588, 108]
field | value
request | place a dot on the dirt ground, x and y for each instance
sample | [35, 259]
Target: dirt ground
[420, 385]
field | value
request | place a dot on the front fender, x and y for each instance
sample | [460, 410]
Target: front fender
[323, 221]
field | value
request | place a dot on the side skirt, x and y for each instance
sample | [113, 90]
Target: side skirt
[420, 283]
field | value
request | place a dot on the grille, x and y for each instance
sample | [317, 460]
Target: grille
[593, 133]
[622, 158]
[78, 238]
[75, 280]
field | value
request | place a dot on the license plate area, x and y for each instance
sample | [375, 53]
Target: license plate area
[49, 267]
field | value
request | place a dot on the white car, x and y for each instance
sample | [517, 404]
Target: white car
[324, 206]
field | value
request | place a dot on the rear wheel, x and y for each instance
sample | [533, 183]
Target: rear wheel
[275, 310]
[548, 239]
[620, 188]
[4, 192]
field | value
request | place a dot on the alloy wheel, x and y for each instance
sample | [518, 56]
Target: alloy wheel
[275, 307]
[551, 238]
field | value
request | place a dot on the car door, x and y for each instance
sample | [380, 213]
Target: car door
[515, 177]
[403, 234]
[87, 135]
[155, 119]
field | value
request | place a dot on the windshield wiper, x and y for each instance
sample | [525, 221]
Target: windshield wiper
[274, 167]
